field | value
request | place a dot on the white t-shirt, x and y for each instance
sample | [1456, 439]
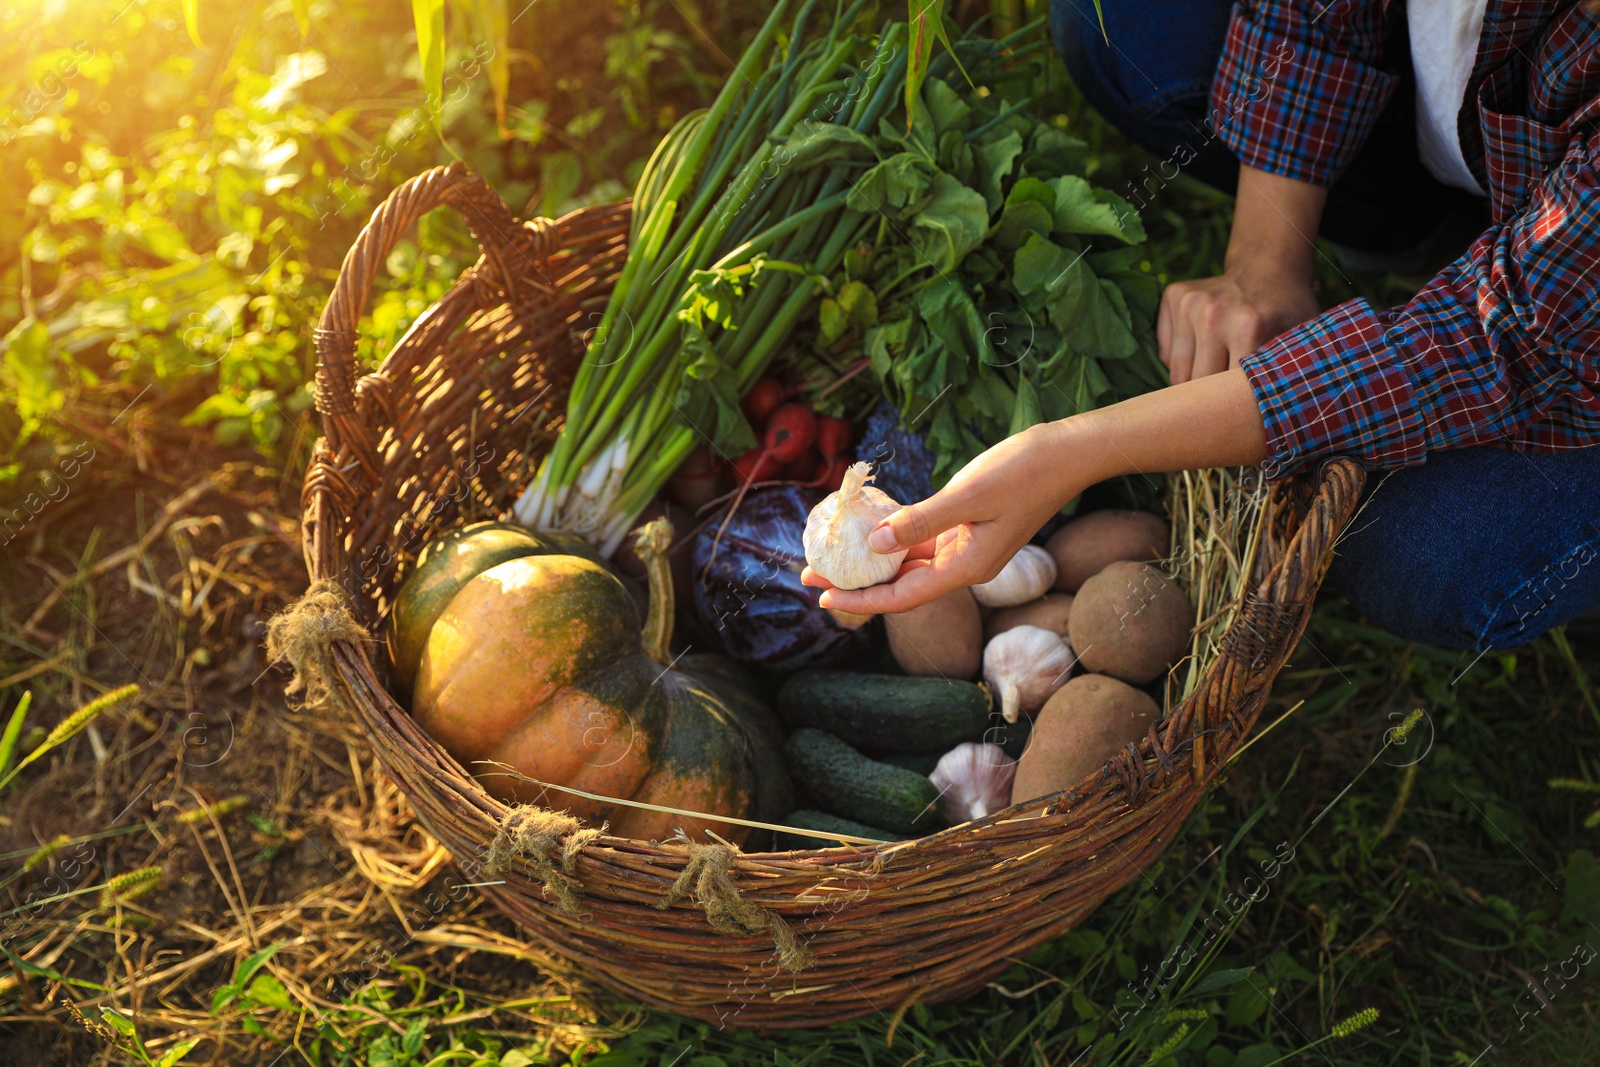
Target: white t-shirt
[1444, 45]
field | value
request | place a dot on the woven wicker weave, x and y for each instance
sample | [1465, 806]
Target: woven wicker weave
[448, 428]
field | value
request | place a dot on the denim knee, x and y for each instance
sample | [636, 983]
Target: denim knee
[1149, 73]
[1479, 548]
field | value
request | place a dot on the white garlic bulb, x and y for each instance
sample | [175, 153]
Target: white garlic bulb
[1025, 664]
[974, 779]
[837, 529]
[1028, 576]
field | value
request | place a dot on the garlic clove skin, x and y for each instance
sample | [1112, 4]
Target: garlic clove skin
[974, 780]
[836, 533]
[1025, 665]
[1026, 576]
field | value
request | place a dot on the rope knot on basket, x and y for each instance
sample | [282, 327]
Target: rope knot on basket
[708, 876]
[305, 632]
[540, 835]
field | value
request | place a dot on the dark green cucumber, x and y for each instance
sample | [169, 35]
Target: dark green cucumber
[844, 782]
[822, 822]
[886, 712]
[920, 762]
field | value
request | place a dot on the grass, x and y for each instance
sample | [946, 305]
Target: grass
[199, 874]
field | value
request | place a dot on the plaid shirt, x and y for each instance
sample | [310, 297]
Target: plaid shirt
[1503, 346]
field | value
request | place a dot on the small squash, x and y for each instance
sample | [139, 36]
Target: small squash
[538, 663]
[449, 563]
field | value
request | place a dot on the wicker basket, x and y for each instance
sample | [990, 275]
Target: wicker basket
[447, 430]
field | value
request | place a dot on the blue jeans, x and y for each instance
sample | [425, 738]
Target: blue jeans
[1153, 82]
[1478, 547]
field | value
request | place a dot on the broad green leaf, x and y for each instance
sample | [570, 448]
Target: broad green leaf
[860, 303]
[996, 157]
[1027, 412]
[29, 374]
[494, 21]
[1257, 1056]
[832, 322]
[823, 142]
[898, 187]
[946, 108]
[176, 1053]
[1081, 208]
[428, 15]
[707, 401]
[1019, 219]
[1246, 1003]
[1089, 311]
[952, 224]
[268, 991]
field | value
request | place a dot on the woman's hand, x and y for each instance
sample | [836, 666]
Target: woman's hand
[1209, 324]
[965, 533]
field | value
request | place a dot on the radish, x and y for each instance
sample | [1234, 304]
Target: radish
[695, 483]
[790, 432]
[761, 401]
[833, 436]
[831, 474]
[803, 469]
[756, 465]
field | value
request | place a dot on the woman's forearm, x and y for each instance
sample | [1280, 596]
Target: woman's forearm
[1207, 422]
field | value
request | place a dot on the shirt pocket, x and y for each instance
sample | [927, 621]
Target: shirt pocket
[1518, 152]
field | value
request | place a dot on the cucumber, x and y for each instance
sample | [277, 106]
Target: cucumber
[920, 762]
[844, 782]
[886, 712]
[828, 824]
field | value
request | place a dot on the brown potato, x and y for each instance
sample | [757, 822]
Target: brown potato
[1049, 611]
[1090, 543]
[1083, 725]
[941, 639]
[1130, 621]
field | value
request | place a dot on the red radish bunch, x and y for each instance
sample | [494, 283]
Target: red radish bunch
[797, 445]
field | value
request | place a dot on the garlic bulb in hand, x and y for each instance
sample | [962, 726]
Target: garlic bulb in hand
[1028, 576]
[1025, 665]
[973, 779]
[836, 533]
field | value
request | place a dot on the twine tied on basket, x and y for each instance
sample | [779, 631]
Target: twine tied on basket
[304, 634]
[709, 875]
[538, 834]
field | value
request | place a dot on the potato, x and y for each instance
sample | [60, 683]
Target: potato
[1090, 543]
[1049, 611]
[1130, 621]
[941, 639]
[1084, 723]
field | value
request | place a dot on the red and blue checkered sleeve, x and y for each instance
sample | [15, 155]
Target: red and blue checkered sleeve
[1501, 348]
[1299, 85]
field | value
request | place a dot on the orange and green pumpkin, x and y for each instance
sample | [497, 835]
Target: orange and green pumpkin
[537, 663]
[449, 563]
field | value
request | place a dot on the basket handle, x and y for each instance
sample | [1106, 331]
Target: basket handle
[492, 225]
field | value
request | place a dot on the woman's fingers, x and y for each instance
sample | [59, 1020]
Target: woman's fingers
[916, 525]
[919, 582]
